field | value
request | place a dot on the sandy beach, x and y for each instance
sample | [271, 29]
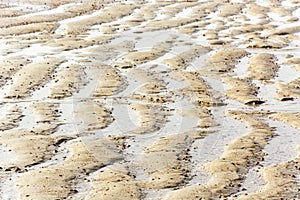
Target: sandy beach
[150, 100]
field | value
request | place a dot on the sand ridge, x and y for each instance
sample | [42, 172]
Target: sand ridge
[122, 99]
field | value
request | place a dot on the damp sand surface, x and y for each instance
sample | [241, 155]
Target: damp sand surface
[149, 99]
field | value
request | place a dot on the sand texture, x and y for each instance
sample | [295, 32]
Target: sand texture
[149, 100]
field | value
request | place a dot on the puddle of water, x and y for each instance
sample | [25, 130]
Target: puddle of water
[28, 122]
[5, 89]
[215, 84]
[241, 69]
[253, 182]
[262, 3]
[159, 16]
[185, 13]
[252, 19]
[156, 194]
[68, 126]
[41, 93]
[83, 188]
[7, 157]
[8, 188]
[282, 106]
[173, 85]
[283, 147]
[149, 39]
[286, 74]
[126, 120]
[38, 49]
[276, 19]
[197, 64]
[280, 149]
[266, 91]
[178, 123]
[227, 130]
[4, 109]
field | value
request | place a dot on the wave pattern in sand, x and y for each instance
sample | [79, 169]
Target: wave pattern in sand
[149, 99]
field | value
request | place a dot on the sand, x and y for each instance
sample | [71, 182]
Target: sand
[170, 100]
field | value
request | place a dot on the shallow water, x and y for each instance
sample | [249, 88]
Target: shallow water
[160, 98]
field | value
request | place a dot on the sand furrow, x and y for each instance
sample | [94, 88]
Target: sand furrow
[108, 14]
[36, 4]
[31, 20]
[183, 60]
[92, 115]
[149, 99]
[294, 61]
[289, 118]
[288, 91]
[111, 82]
[11, 118]
[7, 13]
[230, 9]
[197, 90]
[34, 145]
[242, 90]
[262, 67]
[280, 181]
[228, 171]
[205, 8]
[31, 77]
[225, 60]
[47, 117]
[29, 28]
[153, 88]
[148, 124]
[203, 116]
[109, 183]
[9, 66]
[172, 10]
[257, 10]
[140, 56]
[60, 179]
[63, 12]
[168, 23]
[72, 42]
[166, 161]
[143, 14]
[67, 81]
[28, 148]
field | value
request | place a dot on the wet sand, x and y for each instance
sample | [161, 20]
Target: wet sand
[149, 99]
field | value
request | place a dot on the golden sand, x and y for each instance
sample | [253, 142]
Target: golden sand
[173, 100]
